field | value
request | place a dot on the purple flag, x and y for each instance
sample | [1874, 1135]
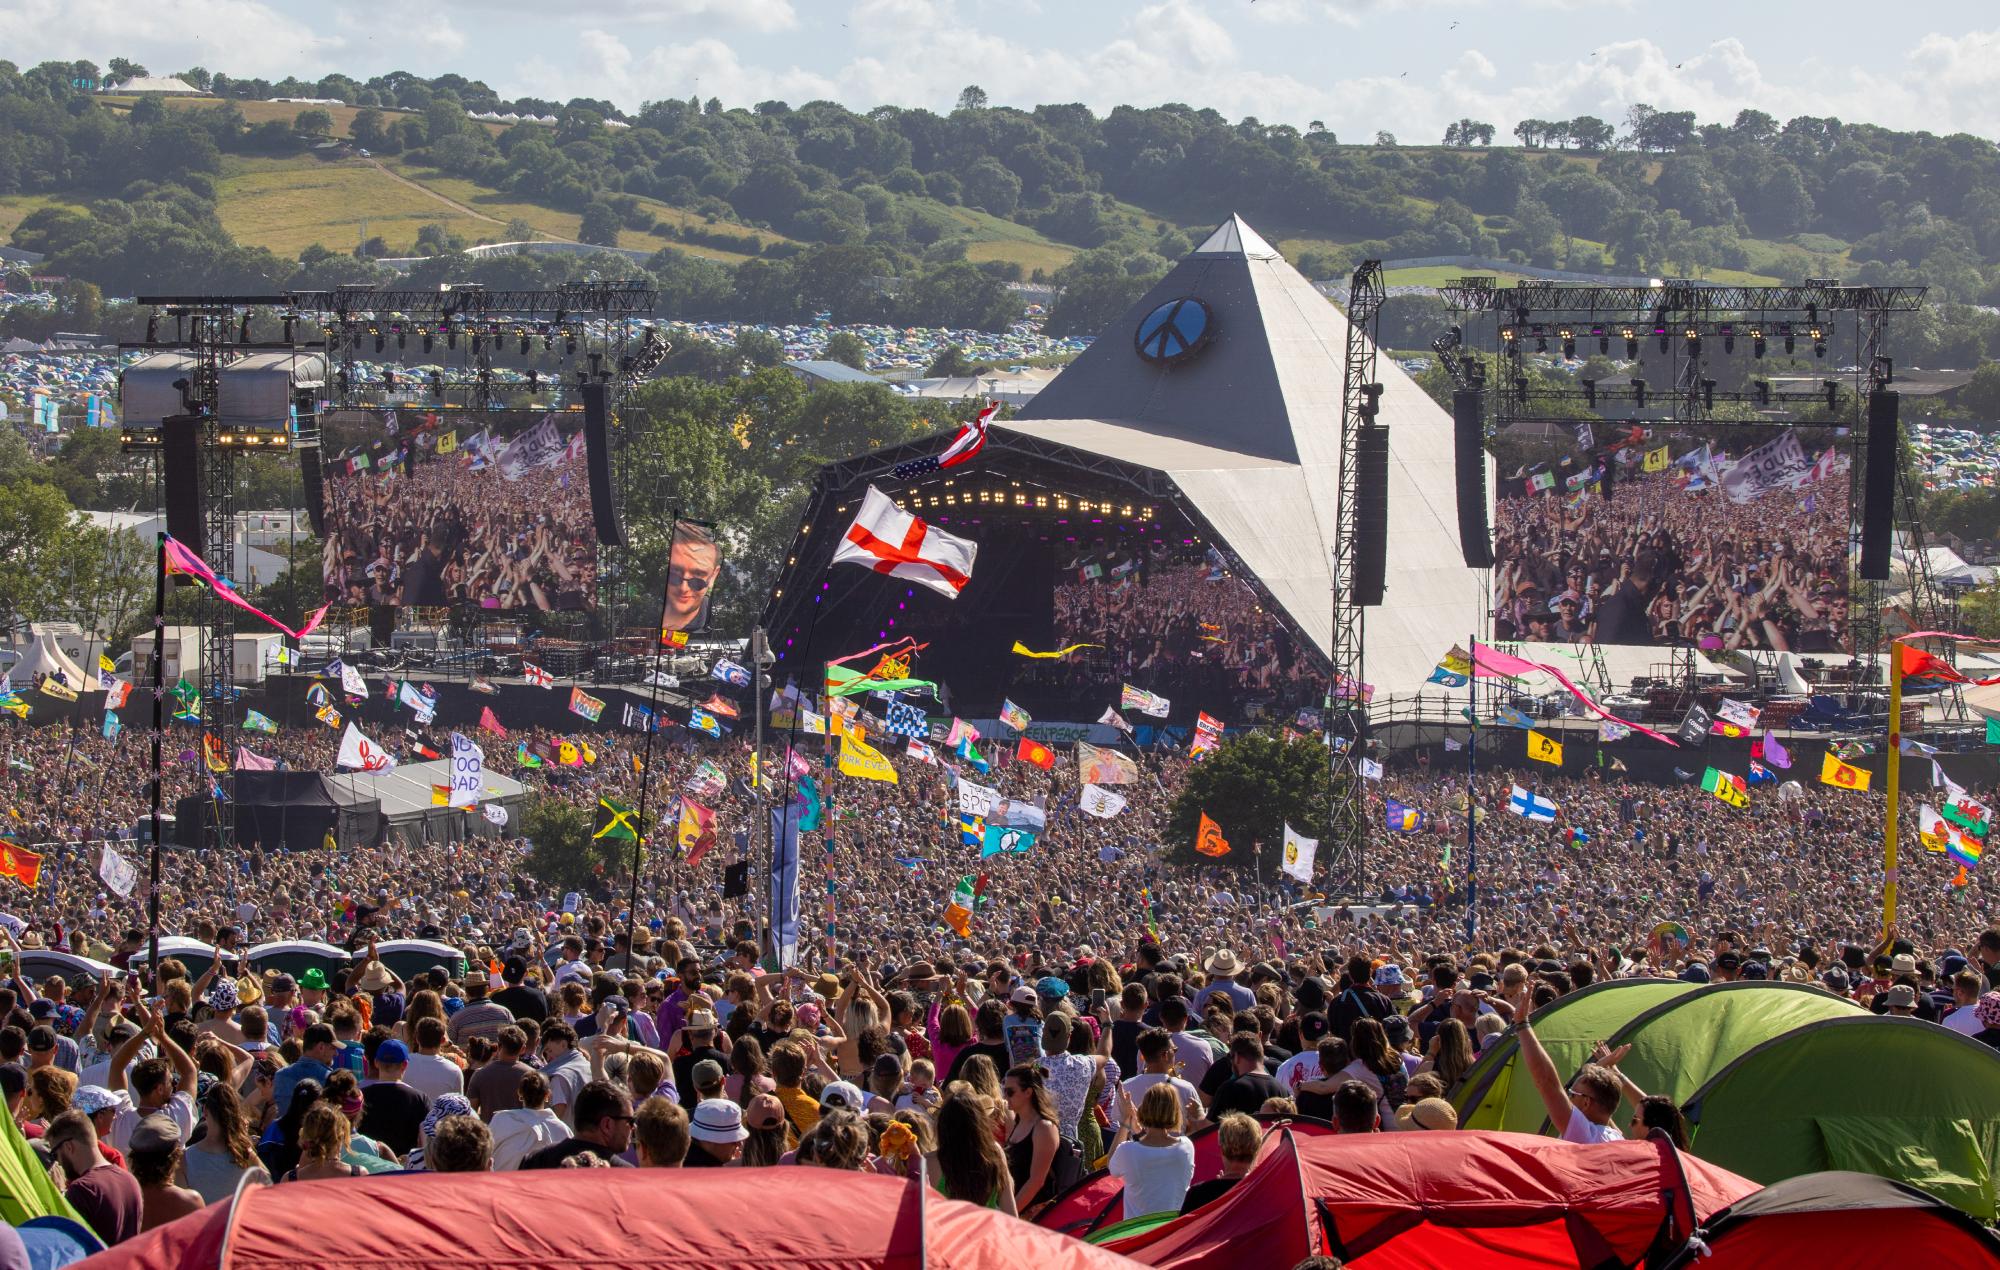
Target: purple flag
[1774, 753]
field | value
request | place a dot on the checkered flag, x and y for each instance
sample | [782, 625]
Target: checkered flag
[906, 720]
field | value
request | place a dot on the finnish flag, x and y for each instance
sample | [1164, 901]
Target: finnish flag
[1535, 807]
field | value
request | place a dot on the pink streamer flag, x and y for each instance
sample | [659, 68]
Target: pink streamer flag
[182, 561]
[1491, 663]
[248, 762]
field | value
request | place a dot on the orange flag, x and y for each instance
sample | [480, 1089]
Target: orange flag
[1208, 838]
[1030, 751]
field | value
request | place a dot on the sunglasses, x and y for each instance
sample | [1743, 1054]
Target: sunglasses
[692, 581]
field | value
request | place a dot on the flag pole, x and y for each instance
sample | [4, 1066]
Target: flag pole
[159, 694]
[1472, 799]
[1894, 781]
[646, 775]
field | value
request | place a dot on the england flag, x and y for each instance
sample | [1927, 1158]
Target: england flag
[889, 540]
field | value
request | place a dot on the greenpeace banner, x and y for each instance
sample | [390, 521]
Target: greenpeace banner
[468, 770]
[1772, 465]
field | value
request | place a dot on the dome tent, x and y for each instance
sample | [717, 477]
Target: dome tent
[1496, 1093]
[1460, 1198]
[1678, 1044]
[719, 1220]
[1837, 1219]
[1815, 1098]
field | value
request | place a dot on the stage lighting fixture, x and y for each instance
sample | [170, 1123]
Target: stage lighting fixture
[1639, 393]
[1756, 341]
[1693, 338]
[152, 328]
[1541, 334]
[437, 383]
[1832, 394]
[569, 343]
[1521, 388]
[378, 338]
[1631, 343]
[389, 381]
[1661, 333]
[427, 341]
[1569, 342]
[341, 380]
[451, 337]
[1763, 392]
[291, 323]
[1708, 394]
[522, 332]
[1785, 332]
[534, 381]
[243, 328]
[1603, 340]
[1728, 338]
[1590, 393]
[548, 341]
[402, 337]
[1507, 334]
[1819, 341]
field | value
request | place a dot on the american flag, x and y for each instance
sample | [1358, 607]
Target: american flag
[971, 439]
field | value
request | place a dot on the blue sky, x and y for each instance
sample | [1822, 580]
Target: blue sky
[1404, 66]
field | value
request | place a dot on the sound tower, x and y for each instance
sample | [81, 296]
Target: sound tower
[1468, 419]
[180, 460]
[1878, 497]
[1371, 516]
[315, 487]
[597, 449]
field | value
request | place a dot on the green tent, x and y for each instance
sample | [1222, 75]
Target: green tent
[1491, 1098]
[1899, 1098]
[1679, 1043]
[25, 1189]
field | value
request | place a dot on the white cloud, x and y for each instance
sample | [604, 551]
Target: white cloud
[749, 15]
[601, 64]
[244, 37]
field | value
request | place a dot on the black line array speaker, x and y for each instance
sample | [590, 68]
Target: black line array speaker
[1371, 516]
[597, 450]
[1468, 419]
[382, 625]
[1878, 497]
[180, 457]
[315, 487]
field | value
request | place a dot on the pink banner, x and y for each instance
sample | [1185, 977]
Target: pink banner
[182, 561]
[1491, 663]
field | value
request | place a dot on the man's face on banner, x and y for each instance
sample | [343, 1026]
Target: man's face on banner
[692, 568]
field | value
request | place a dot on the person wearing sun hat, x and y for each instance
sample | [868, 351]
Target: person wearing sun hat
[1222, 967]
[716, 1134]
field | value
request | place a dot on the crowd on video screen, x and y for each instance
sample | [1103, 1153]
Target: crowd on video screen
[1173, 620]
[1676, 556]
[459, 509]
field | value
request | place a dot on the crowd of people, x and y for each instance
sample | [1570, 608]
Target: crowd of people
[1654, 561]
[1106, 1002]
[408, 525]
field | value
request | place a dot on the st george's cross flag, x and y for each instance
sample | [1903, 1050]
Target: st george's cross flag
[536, 675]
[889, 540]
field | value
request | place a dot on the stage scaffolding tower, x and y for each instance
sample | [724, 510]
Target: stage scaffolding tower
[1347, 711]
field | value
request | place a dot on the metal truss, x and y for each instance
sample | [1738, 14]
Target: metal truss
[1360, 396]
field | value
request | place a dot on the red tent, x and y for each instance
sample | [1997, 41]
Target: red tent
[1447, 1198]
[1098, 1201]
[1835, 1219]
[806, 1218]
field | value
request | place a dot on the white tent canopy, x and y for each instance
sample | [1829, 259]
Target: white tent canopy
[405, 791]
[47, 659]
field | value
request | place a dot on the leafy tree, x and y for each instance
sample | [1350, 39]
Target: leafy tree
[600, 225]
[1094, 289]
[989, 185]
[1386, 140]
[846, 348]
[43, 549]
[314, 122]
[518, 230]
[1981, 394]
[120, 70]
[366, 130]
[1253, 786]
[561, 850]
[972, 97]
[951, 363]
[760, 348]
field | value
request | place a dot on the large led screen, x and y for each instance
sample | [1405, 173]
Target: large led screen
[461, 507]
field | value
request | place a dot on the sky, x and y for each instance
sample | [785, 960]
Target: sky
[1408, 67]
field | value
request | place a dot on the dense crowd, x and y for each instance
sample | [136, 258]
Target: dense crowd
[1655, 562]
[1105, 1002]
[417, 527]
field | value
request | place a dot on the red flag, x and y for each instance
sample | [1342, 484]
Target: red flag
[19, 863]
[716, 705]
[1033, 751]
[489, 722]
[1918, 664]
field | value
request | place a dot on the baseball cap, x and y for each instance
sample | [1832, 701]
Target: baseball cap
[392, 1051]
[843, 1094]
[1756, 970]
[1696, 973]
[764, 1112]
[1023, 995]
[707, 1072]
[1835, 978]
[91, 1099]
[717, 1120]
[154, 1133]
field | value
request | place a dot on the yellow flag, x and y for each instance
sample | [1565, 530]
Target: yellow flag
[440, 795]
[1022, 650]
[1842, 775]
[1656, 460]
[449, 442]
[104, 664]
[1544, 749]
[857, 759]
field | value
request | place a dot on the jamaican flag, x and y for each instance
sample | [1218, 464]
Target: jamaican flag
[616, 820]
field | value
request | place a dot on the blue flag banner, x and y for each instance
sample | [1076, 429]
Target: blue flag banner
[785, 883]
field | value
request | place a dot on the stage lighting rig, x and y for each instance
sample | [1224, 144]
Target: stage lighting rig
[1757, 341]
[1819, 341]
[1568, 343]
[1631, 343]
